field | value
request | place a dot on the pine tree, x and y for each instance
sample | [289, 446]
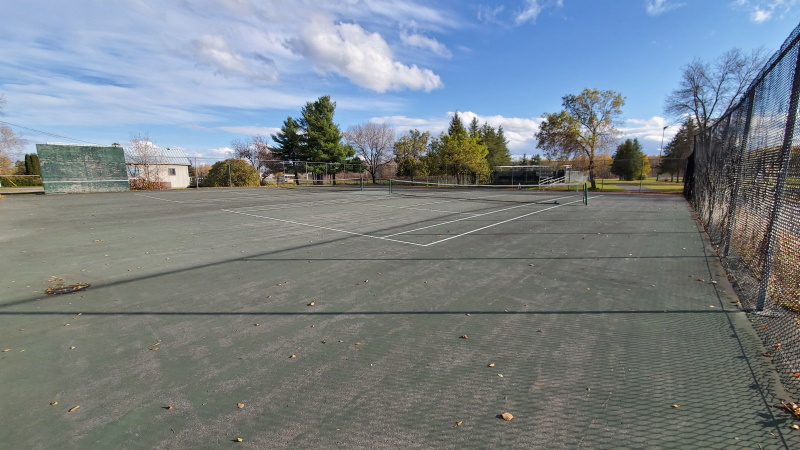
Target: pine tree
[630, 162]
[289, 145]
[678, 149]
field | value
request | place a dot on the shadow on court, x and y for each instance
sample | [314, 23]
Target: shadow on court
[609, 325]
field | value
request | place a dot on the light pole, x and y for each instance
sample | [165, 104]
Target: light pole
[660, 149]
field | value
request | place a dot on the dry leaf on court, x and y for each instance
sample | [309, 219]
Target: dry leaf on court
[458, 424]
[491, 364]
[358, 343]
[507, 416]
[464, 337]
[53, 403]
[796, 374]
[6, 350]
[238, 439]
[167, 407]
[293, 356]
[311, 304]
[777, 346]
[74, 408]
[240, 405]
[676, 406]
[153, 348]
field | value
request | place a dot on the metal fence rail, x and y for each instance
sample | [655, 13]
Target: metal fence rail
[745, 187]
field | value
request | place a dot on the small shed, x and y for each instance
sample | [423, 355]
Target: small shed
[152, 167]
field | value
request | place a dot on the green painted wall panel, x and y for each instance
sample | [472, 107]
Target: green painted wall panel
[75, 169]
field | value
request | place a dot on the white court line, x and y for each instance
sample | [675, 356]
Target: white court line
[477, 215]
[156, 198]
[387, 238]
[325, 228]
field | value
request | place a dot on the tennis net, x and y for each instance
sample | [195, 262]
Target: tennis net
[520, 193]
[340, 184]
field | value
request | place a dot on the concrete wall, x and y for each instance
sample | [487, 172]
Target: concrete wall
[77, 168]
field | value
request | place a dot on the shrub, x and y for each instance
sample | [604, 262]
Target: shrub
[241, 174]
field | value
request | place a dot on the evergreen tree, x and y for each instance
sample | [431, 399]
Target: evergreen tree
[474, 128]
[32, 164]
[289, 145]
[630, 162]
[322, 138]
[678, 149]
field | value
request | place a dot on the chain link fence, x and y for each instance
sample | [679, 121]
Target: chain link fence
[744, 184]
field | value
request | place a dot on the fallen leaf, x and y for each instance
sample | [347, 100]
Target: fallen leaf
[795, 426]
[764, 327]
[777, 346]
[711, 306]
[256, 324]
[700, 279]
[167, 407]
[500, 375]
[74, 408]
[458, 424]
[676, 406]
[464, 337]
[324, 342]
[72, 348]
[240, 405]
[491, 365]
[293, 356]
[796, 375]
[507, 416]
[358, 343]
[6, 350]
[153, 348]
[53, 403]
[768, 354]
[311, 304]
[238, 439]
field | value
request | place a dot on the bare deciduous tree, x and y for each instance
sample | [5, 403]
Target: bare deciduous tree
[373, 144]
[11, 144]
[708, 90]
[145, 158]
[256, 150]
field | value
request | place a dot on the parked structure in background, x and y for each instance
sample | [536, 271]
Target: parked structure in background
[152, 167]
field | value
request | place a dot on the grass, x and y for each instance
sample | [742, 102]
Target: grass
[612, 185]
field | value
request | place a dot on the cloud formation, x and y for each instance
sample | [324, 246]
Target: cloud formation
[532, 8]
[658, 7]
[362, 57]
[764, 10]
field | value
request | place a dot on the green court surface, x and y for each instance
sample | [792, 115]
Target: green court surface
[610, 325]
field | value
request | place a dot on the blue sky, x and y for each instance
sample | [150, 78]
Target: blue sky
[198, 74]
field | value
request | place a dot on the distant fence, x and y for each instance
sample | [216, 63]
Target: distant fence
[746, 190]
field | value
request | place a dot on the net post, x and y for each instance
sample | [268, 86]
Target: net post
[585, 194]
[361, 182]
[390, 185]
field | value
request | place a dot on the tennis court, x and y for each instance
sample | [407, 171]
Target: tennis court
[349, 318]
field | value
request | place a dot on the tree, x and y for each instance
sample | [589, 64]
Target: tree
[373, 144]
[678, 149]
[11, 143]
[321, 139]
[586, 126]
[409, 153]
[496, 144]
[256, 150]
[32, 164]
[289, 144]
[232, 172]
[630, 162]
[145, 159]
[457, 153]
[708, 90]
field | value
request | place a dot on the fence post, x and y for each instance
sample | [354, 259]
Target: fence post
[738, 165]
[786, 153]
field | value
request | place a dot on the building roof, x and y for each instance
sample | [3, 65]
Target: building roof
[159, 155]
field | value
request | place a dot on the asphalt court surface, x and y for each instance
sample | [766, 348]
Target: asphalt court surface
[349, 319]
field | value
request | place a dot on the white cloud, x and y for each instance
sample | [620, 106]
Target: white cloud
[213, 50]
[224, 151]
[412, 39]
[360, 56]
[649, 132]
[760, 16]
[658, 7]
[533, 8]
[761, 11]
[490, 15]
[251, 130]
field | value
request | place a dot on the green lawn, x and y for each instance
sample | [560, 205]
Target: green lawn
[612, 185]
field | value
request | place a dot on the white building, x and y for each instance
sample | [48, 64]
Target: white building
[157, 167]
